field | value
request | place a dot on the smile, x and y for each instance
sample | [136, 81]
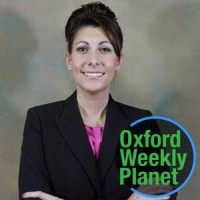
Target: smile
[93, 74]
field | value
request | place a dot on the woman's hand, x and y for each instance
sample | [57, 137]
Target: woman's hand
[135, 196]
[152, 189]
[40, 195]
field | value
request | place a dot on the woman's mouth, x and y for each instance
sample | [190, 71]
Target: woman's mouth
[93, 74]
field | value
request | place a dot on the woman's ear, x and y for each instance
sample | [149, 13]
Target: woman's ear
[68, 61]
[119, 62]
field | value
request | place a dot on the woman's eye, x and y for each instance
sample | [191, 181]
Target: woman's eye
[105, 50]
[82, 49]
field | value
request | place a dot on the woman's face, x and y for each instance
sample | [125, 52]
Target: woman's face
[93, 60]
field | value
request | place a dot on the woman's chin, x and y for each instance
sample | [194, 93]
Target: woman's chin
[96, 90]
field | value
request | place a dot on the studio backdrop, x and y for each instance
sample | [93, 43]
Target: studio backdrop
[160, 71]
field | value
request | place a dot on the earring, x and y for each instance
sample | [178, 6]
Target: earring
[70, 68]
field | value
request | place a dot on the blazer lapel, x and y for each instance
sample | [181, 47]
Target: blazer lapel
[72, 128]
[115, 123]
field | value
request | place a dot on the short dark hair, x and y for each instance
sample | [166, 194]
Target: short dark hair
[95, 14]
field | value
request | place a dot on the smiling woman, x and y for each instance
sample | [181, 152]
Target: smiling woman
[93, 61]
[69, 147]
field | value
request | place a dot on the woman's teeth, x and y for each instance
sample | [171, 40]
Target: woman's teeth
[93, 74]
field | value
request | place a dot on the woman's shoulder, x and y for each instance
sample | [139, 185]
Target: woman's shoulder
[49, 106]
[132, 111]
[54, 108]
[49, 109]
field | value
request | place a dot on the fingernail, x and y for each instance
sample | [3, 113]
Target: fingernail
[23, 195]
[167, 197]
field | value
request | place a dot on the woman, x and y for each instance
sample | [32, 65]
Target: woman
[69, 147]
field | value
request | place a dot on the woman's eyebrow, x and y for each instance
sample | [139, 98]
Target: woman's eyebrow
[104, 42]
[82, 42]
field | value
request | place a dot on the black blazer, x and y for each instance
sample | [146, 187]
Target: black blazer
[56, 156]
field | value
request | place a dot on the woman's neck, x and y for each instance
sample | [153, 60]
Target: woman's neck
[93, 107]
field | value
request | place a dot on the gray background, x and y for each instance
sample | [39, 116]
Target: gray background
[160, 71]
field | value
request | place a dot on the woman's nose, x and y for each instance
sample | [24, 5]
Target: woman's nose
[93, 59]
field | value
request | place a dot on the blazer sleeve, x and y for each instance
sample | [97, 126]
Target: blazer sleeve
[33, 172]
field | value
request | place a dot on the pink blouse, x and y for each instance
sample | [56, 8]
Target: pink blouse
[95, 135]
